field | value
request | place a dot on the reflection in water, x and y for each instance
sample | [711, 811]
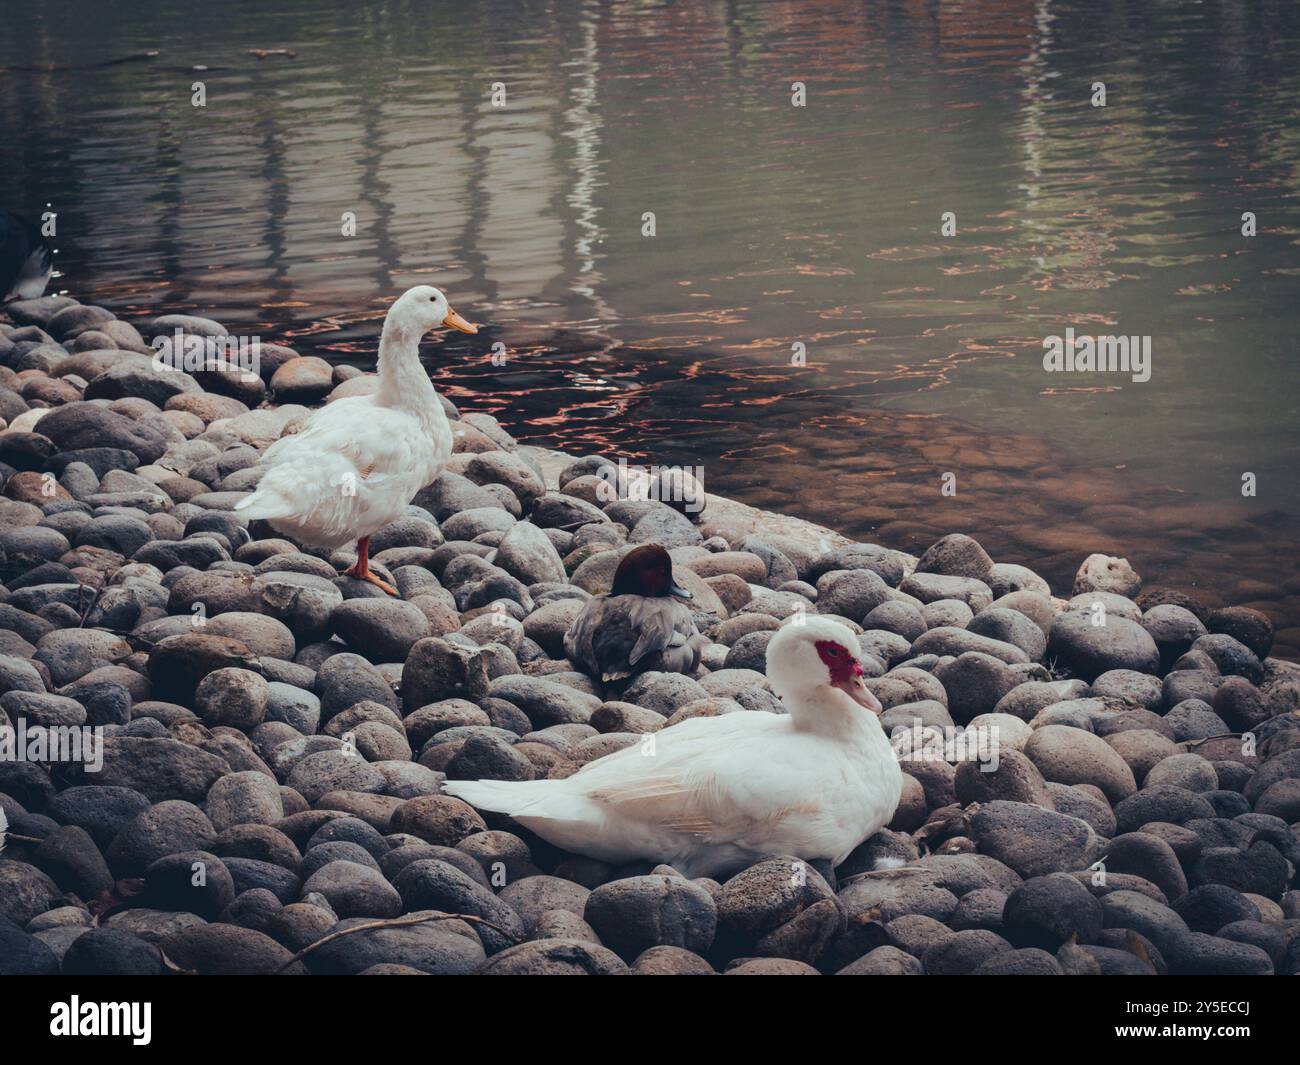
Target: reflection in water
[582, 120]
[777, 225]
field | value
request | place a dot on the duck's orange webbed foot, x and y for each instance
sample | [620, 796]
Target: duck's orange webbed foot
[360, 569]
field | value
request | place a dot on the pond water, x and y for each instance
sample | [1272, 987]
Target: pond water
[801, 324]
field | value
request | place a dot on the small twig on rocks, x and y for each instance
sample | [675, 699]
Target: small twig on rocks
[173, 967]
[93, 601]
[1220, 736]
[395, 922]
[130, 637]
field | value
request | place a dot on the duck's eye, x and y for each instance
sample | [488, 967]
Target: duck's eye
[833, 654]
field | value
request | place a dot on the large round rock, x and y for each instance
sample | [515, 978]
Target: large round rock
[383, 630]
[1045, 911]
[233, 697]
[555, 957]
[1068, 755]
[779, 906]
[1088, 650]
[439, 947]
[640, 912]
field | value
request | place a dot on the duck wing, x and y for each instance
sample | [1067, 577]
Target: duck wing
[663, 625]
[739, 782]
[600, 638]
[380, 440]
[615, 637]
[717, 780]
[350, 445]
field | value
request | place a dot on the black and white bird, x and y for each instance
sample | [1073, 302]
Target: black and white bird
[26, 259]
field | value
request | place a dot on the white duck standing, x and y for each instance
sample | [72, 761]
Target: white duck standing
[713, 794]
[359, 461]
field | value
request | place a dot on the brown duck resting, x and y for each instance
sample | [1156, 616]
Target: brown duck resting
[640, 625]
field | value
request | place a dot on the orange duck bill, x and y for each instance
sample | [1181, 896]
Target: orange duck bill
[455, 321]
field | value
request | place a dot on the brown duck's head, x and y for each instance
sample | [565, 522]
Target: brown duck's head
[648, 571]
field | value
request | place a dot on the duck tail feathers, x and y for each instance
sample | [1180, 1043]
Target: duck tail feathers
[547, 800]
[502, 796]
[264, 503]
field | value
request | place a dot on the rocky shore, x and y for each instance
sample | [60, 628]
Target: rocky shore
[275, 736]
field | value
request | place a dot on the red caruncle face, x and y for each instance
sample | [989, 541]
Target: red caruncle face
[837, 658]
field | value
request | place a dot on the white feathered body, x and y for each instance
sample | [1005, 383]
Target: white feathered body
[710, 795]
[359, 461]
[350, 472]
